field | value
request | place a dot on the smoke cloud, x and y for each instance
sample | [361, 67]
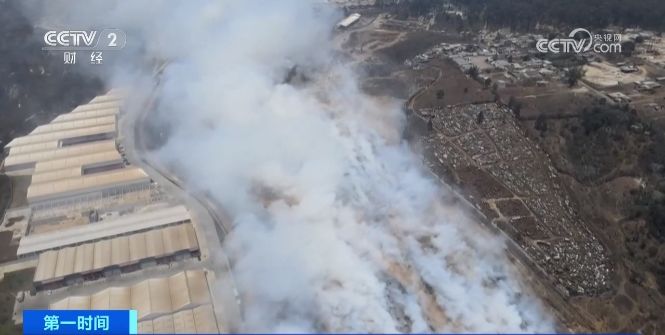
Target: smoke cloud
[337, 225]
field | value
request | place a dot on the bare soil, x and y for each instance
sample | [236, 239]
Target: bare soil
[456, 86]
[512, 208]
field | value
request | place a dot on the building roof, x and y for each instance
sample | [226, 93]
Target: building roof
[105, 98]
[55, 265]
[97, 106]
[85, 183]
[74, 124]
[47, 176]
[78, 161]
[107, 228]
[37, 147]
[71, 151]
[153, 301]
[111, 298]
[198, 320]
[84, 257]
[48, 261]
[61, 134]
[86, 115]
[349, 20]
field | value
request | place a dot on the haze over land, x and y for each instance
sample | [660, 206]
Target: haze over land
[337, 225]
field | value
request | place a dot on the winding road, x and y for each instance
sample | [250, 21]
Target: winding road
[210, 222]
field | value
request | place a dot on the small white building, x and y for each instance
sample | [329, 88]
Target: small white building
[348, 21]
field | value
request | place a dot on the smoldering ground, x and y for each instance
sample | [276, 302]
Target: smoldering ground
[337, 227]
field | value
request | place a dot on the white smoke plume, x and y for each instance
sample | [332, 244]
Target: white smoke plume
[338, 227]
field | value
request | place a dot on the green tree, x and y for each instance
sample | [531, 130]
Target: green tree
[495, 91]
[515, 106]
[525, 14]
[627, 48]
[541, 124]
[473, 72]
[574, 74]
[604, 116]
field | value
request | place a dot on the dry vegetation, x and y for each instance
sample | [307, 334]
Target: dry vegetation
[452, 87]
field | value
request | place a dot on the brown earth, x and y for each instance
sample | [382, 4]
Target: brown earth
[457, 88]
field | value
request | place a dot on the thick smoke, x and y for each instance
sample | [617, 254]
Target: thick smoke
[338, 227]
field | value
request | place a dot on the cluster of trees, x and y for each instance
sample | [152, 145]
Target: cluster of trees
[515, 106]
[473, 72]
[656, 152]
[656, 215]
[650, 205]
[574, 74]
[411, 8]
[598, 142]
[602, 115]
[655, 204]
[422, 7]
[526, 14]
